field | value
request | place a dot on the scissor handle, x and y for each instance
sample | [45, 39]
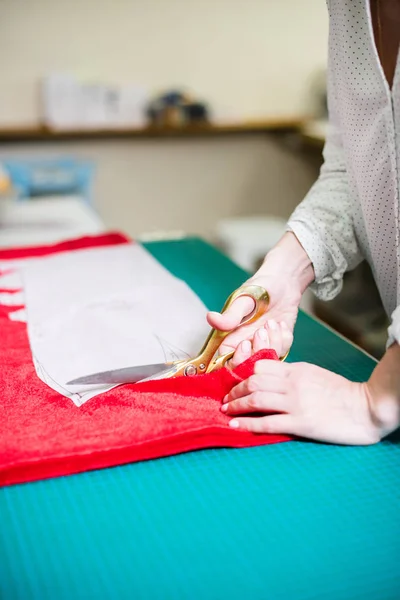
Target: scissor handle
[256, 293]
[261, 302]
[205, 362]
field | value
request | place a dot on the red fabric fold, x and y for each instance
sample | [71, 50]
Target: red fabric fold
[89, 241]
[43, 434]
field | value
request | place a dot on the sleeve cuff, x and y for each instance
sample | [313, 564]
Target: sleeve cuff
[329, 270]
[394, 329]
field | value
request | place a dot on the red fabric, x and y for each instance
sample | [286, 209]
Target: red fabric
[89, 241]
[43, 434]
[5, 310]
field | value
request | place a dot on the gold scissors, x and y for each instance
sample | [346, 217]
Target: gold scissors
[206, 361]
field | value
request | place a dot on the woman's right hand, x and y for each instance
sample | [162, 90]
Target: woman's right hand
[285, 274]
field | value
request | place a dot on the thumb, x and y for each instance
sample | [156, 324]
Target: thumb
[233, 316]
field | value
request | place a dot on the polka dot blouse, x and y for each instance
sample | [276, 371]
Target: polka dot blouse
[352, 211]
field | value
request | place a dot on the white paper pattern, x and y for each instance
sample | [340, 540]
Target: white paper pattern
[102, 309]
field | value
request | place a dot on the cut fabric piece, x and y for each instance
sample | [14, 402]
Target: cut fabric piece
[102, 309]
[96, 309]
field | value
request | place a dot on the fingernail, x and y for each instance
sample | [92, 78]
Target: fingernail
[234, 424]
[213, 313]
[246, 346]
[273, 324]
[262, 334]
[224, 407]
[225, 398]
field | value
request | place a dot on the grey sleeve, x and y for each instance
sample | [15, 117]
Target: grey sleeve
[323, 222]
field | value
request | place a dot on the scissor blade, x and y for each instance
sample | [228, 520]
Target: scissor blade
[125, 375]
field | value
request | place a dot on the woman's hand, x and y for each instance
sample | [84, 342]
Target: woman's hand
[285, 274]
[307, 401]
[275, 336]
[304, 400]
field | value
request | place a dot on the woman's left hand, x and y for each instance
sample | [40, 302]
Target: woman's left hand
[303, 400]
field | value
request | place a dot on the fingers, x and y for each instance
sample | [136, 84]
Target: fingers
[279, 335]
[247, 348]
[266, 382]
[273, 424]
[242, 353]
[267, 402]
[272, 368]
[287, 338]
[232, 317]
[261, 340]
[276, 336]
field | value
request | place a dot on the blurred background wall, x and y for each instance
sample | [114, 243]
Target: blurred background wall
[250, 60]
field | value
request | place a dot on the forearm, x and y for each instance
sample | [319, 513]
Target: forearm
[384, 391]
[290, 260]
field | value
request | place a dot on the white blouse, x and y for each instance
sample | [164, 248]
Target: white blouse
[352, 211]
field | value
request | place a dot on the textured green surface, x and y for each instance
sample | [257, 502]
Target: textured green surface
[295, 520]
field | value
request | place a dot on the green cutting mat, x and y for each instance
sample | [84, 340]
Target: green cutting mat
[290, 521]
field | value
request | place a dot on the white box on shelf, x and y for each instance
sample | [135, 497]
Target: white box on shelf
[61, 102]
[69, 104]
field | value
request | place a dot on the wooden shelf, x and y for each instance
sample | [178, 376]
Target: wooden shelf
[42, 133]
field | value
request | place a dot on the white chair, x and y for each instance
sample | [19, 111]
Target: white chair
[247, 240]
